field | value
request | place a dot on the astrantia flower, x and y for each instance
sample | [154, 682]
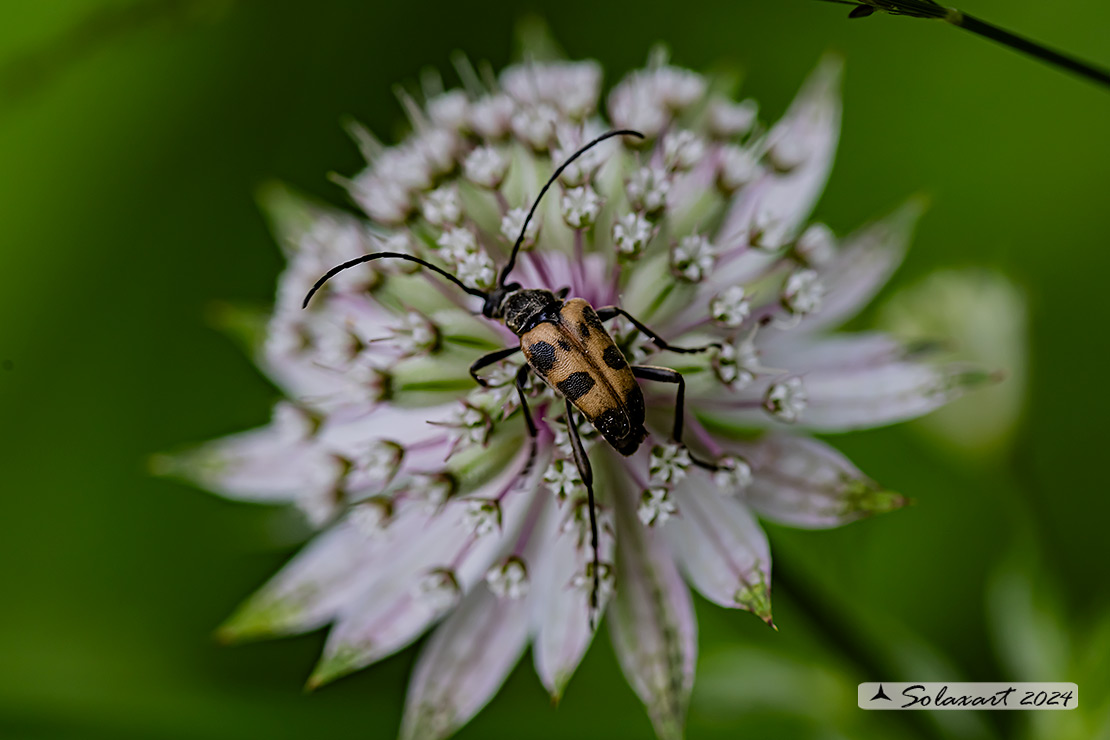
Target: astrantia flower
[433, 509]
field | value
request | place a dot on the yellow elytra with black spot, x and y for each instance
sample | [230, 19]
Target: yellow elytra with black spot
[566, 344]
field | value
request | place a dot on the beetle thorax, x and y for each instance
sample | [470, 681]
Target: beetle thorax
[523, 309]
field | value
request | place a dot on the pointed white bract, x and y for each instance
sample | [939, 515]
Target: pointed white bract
[433, 504]
[652, 623]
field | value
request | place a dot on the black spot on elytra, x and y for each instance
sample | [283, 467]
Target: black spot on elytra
[576, 385]
[541, 356]
[613, 424]
[613, 358]
[584, 329]
[564, 345]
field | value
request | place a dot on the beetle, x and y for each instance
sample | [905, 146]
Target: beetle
[566, 344]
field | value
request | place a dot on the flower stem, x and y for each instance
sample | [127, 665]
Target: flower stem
[930, 9]
[1032, 48]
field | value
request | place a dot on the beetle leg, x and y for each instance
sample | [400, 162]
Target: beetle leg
[666, 375]
[586, 472]
[609, 312]
[489, 359]
[521, 377]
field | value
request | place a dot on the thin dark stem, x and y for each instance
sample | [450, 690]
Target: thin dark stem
[933, 10]
[1032, 48]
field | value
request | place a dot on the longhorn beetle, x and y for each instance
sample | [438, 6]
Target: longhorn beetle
[566, 344]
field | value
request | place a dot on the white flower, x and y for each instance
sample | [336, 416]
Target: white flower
[485, 166]
[508, 580]
[441, 206]
[816, 246]
[647, 189]
[669, 463]
[513, 221]
[562, 478]
[535, 125]
[630, 234]
[727, 119]
[647, 100]
[739, 167]
[803, 291]
[491, 116]
[580, 207]
[457, 243]
[693, 258]
[483, 516]
[731, 307]
[682, 149]
[449, 110]
[476, 270]
[733, 475]
[787, 399]
[483, 534]
[656, 507]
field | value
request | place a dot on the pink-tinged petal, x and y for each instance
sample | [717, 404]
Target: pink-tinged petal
[589, 278]
[842, 352]
[802, 146]
[720, 546]
[350, 431]
[464, 664]
[652, 624]
[849, 382]
[802, 482]
[309, 591]
[884, 394]
[561, 610]
[391, 611]
[272, 464]
[864, 263]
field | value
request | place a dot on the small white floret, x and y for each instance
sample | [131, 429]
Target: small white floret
[631, 233]
[372, 516]
[457, 243]
[439, 589]
[727, 118]
[482, 516]
[485, 166]
[738, 167]
[508, 580]
[580, 207]
[731, 307]
[682, 149]
[816, 246]
[477, 271]
[513, 221]
[669, 463]
[803, 292]
[693, 258]
[492, 115]
[656, 507]
[733, 474]
[786, 400]
[562, 478]
[647, 189]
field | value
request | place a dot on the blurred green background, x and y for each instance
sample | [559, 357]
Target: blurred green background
[133, 136]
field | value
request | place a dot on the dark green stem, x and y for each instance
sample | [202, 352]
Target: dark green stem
[931, 9]
[1032, 48]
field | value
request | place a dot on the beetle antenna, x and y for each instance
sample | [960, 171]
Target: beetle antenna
[524, 228]
[389, 255]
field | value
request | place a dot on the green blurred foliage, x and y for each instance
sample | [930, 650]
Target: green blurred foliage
[132, 143]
